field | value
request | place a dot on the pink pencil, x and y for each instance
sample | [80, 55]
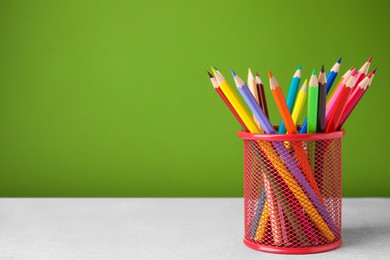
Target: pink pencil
[332, 103]
[361, 73]
[340, 104]
[356, 96]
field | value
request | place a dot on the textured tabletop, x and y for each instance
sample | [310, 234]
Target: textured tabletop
[165, 229]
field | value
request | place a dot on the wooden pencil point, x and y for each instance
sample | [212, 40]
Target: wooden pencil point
[269, 74]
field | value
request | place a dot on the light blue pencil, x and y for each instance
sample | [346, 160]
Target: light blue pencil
[291, 96]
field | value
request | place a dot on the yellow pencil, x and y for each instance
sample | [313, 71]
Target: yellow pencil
[253, 128]
[263, 223]
[299, 103]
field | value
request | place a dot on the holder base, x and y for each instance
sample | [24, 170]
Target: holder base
[294, 251]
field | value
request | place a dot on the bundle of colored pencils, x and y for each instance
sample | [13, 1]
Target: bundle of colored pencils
[326, 112]
[295, 174]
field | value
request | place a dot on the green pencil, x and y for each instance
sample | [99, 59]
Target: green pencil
[312, 106]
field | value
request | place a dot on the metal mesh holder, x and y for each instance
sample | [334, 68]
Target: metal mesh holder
[292, 192]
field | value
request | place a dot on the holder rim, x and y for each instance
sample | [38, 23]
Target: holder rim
[291, 137]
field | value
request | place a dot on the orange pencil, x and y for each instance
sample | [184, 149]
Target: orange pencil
[291, 129]
[281, 104]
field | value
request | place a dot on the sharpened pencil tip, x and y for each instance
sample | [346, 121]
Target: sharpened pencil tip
[233, 73]
[370, 59]
[372, 73]
[215, 67]
[339, 61]
[257, 74]
[314, 72]
[299, 67]
[322, 68]
[353, 72]
[269, 74]
[211, 76]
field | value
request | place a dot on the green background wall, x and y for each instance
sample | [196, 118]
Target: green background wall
[111, 98]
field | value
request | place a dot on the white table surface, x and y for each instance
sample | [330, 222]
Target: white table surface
[132, 228]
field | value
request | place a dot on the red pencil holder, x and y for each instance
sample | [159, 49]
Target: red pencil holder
[292, 192]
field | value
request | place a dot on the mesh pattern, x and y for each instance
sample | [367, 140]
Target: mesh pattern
[292, 192]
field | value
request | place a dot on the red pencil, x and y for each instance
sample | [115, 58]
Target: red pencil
[356, 96]
[340, 104]
[223, 97]
[362, 72]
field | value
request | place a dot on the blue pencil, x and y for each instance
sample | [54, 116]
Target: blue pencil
[291, 96]
[303, 129]
[334, 71]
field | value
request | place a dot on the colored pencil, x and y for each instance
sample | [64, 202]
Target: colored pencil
[356, 97]
[299, 103]
[340, 104]
[226, 101]
[276, 228]
[322, 87]
[281, 104]
[312, 106]
[343, 79]
[303, 129]
[260, 91]
[262, 223]
[332, 75]
[259, 210]
[318, 154]
[362, 72]
[332, 102]
[252, 87]
[291, 96]
[323, 221]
